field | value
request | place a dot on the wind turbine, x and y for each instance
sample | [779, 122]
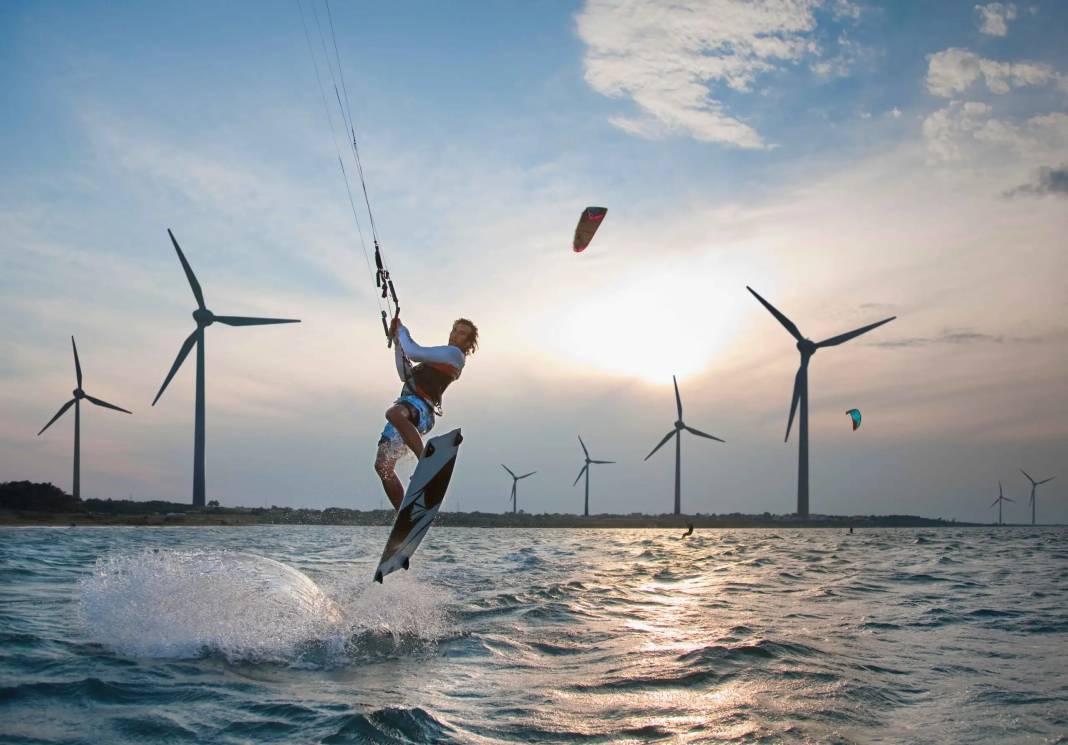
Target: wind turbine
[1001, 498]
[1033, 485]
[79, 394]
[586, 470]
[807, 348]
[204, 318]
[515, 480]
[677, 434]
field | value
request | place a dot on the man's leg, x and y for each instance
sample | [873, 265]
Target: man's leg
[399, 416]
[385, 462]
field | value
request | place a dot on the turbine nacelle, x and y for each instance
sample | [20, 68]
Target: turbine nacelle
[807, 347]
[78, 393]
[203, 317]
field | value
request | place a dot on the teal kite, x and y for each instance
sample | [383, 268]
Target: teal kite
[854, 414]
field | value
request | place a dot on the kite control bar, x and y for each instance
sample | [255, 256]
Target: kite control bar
[382, 280]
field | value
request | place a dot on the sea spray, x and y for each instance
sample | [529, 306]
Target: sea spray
[404, 615]
[185, 604]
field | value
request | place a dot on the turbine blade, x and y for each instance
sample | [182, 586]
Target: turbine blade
[525, 475]
[105, 404]
[77, 364]
[243, 321]
[197, 293]
[182, 354]
[793, 402]
[678, 398]
[509, 470]
[702, 434]
[1043, 481]
[580, 474]
[994, 503]
[1025, 473]
[836, 340]
[602, 461]
[587, 452]
[1008, 500]
[786, 322]
[660, 444]
[57, 416]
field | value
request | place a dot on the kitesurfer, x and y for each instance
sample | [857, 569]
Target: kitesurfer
[412, 414]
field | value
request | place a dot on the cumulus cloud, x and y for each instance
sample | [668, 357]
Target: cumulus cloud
[947, 129]
[968, 130]
[1048, 181]
[955, 70]
[993, 18]
[669, 58]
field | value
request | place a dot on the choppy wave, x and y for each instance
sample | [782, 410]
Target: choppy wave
[277, 635]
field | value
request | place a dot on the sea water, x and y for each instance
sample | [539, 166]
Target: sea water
[277, 634]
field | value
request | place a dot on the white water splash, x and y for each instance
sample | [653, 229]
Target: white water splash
[403, 609]
[183, 604]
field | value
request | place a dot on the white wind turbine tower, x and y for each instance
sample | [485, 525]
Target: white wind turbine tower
[1001, 498]
[807, 348]
[204, 318]
[515, 480]
[1033, 485]
[76, 402]
[586, 470]
[677, 434]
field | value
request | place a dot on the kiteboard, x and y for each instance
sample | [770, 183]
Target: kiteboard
[426, 491]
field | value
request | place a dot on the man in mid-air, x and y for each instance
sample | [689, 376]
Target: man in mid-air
[412, 415]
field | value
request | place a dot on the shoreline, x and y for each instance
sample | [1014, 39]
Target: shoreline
[384, 518]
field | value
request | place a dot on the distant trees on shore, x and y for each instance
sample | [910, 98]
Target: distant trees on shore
[27, 495]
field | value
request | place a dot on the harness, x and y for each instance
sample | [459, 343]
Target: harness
[428, 380]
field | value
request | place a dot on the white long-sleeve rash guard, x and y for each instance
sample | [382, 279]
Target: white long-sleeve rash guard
[406, 350]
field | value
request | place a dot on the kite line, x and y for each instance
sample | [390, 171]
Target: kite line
[383, 280]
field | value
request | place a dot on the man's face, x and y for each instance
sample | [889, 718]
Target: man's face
[461, 335]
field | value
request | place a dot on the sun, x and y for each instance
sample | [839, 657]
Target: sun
[650, 325]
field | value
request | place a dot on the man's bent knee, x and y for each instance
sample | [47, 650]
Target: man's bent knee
[384, 465]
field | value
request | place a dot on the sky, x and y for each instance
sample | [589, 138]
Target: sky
[848, 160]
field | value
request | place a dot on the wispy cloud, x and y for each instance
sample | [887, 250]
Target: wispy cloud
[948, 336]
[993, 18]
[670, 58]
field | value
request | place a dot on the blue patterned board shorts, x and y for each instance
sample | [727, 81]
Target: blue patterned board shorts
[424, 425]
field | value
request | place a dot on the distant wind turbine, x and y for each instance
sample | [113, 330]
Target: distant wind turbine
[79, 394]
[807, 348]
[1001, 498]
[586, 470]
[677, 434]
[515, 480]
[1033, 485]
[204, 318]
